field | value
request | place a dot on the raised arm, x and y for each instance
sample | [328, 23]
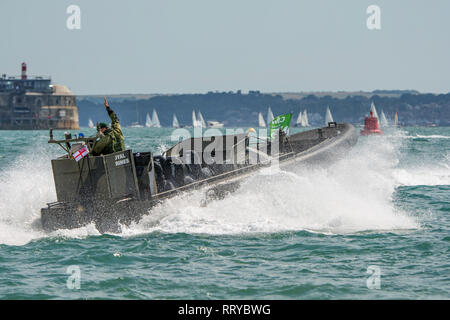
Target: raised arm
[115, 125]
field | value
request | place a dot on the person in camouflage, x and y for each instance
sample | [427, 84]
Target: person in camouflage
[110, 139]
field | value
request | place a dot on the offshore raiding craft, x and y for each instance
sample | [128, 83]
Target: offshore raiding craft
[120, 188]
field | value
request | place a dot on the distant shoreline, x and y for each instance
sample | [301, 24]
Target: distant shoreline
[235, 108]
[286, 95]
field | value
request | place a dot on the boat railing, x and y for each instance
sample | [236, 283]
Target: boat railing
[65, 144]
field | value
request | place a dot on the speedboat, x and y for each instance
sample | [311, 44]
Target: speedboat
[120, 188]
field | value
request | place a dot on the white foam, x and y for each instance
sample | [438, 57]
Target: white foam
[427, 173]
[25, 188]
[77, 233]
[352, 195]
[422, 176]
[432, 136]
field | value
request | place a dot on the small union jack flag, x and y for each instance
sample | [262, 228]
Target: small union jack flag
[78, 155]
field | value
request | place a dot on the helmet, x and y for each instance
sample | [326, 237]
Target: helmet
[102, 125]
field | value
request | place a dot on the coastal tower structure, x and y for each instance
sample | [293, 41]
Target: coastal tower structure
[33, 103]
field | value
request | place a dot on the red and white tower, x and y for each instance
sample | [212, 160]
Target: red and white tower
[24, 71]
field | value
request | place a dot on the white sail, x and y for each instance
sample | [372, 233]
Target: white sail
[269, 116]
[328, 116]
[155, 119]
[175, 122]
[305, 118]
[373, 110]
[148, 121]
[302, 120]
[383, 120]
[201, 120]
[90, 124]
[261, 122]
[299, 119]
[194, 120]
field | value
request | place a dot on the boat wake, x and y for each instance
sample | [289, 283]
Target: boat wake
[352, 195]
[25, 187]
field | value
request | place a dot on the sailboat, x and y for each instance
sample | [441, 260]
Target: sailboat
[201, 120]
[328, 116]
[90, 123]
[383, 120]
[136, 124]
[299, 122]
[155, 119]
[396, 119]
[373, 110]
[175, 123]
[305, 119]
[195, 123]
[261, 122]
[148, 121]
[269, 116]
[302, 120]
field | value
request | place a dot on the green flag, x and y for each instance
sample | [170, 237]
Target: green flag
[280, 122]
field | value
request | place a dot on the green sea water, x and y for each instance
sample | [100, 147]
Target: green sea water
[373, 225]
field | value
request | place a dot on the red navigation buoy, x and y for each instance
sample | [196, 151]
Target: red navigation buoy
[371, 126]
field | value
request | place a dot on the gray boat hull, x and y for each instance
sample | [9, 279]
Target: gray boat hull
[314, 147]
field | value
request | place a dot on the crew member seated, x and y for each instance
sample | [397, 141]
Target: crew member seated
[110, 139]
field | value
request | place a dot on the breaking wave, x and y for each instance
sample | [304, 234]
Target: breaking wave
[26, 187]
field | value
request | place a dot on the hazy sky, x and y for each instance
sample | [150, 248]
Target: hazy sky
[176, 46]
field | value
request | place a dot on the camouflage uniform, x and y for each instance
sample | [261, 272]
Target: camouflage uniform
[112, 139]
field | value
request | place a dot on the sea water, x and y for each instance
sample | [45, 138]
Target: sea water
[373, 225]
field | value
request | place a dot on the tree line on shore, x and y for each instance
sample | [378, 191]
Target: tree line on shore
[237, 109]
